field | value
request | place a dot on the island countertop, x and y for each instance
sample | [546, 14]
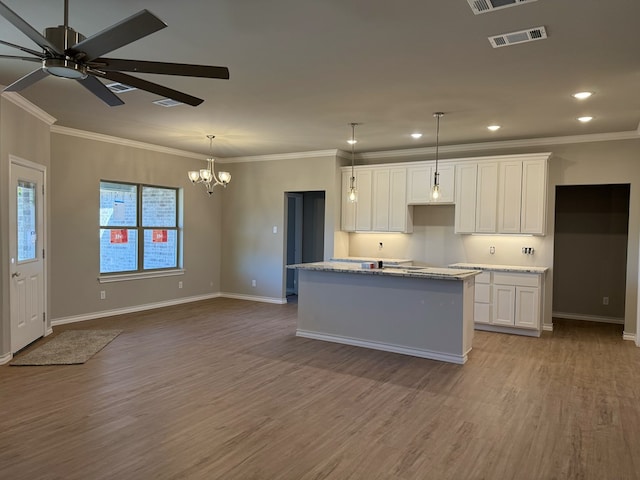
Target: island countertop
[434, 273]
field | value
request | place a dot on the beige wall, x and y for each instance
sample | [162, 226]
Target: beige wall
[78, 165]
[253, 204]
[433, 241]
[26, 136]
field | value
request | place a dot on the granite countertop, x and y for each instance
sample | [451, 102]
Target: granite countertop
[399, 271]
[385, 261]
[501, 268]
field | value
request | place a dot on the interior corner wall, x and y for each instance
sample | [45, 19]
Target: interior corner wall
[254, 203]
[25, 136]
[78, 165]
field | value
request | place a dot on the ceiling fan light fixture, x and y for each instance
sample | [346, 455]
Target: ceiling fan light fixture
[64, 68]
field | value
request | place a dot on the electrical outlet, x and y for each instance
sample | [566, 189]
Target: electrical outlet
[605, 300]
[179, 284]
[103, 294]
[492, 250]
[380, 246]
[253, 283]
[527, 250]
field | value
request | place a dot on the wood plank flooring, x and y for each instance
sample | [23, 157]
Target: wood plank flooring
[222, 389]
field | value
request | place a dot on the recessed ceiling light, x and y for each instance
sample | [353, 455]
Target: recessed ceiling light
[582, 95]
[493, 128]
[585, 119]
[352, 142]
[416, 135]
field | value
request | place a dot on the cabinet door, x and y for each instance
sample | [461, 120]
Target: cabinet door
[380, 200]
[534, 196]
[465, 194]
[363, 206]
[482, 313]
[504, 302]
[348, 218]
[487, 198]
[419, 184]
[399, 218]
[527, 307]
[509, 197]
[447, 184]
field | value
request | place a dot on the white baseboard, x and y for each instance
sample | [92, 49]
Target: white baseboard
[133, 309]
[547, 327]
[629, 336]
[254, 298]
[510, 330]
[6, 358]
[588, 318]
[387, 347]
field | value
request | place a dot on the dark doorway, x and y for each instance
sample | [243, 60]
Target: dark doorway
[305, 233]
[590, 252]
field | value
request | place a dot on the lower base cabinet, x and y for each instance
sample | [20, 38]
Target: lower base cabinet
[508, 301]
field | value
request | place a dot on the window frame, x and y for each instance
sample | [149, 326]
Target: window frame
[142, 272]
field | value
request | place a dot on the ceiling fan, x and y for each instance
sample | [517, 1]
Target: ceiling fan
[67, 53]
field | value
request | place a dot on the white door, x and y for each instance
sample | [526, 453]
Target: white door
[26, 251]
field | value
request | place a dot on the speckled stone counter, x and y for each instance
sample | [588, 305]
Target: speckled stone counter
[385, 261]
[419, 311]
[500, 268]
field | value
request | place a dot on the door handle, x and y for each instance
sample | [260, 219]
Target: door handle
[15, 274]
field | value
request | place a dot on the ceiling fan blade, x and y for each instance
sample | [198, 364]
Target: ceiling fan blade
[163, 68]
[122, 33]
[96, 87]
[40, 55]
[27, 80]
[27, 29]
[152, 87]
[28, 59]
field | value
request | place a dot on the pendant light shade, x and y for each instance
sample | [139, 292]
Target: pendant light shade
[207, 176]
[435, 189]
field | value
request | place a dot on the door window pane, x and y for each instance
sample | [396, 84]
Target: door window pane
[118, 250]
[160, 249]
[26, 220]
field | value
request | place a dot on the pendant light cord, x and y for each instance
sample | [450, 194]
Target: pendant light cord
[437, 174]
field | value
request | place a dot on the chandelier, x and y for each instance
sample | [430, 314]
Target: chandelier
[207, 176]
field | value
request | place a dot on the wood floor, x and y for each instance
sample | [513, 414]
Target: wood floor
[222, 389]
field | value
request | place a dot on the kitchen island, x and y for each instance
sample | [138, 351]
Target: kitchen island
[420, 311]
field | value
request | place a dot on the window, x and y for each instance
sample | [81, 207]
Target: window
[138, 228]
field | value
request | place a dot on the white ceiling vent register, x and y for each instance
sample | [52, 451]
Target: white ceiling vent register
[167, 102]
[483, 6]
[523, 36]
[120, 87]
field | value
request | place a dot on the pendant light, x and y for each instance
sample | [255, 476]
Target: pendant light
[435, 189]
[352, 194]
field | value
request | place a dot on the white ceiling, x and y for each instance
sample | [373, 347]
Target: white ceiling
[301, 70]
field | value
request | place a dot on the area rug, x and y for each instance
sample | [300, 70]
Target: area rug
[69, 348]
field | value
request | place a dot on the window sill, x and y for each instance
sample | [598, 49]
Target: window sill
[123, 277]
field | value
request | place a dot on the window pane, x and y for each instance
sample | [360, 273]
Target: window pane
[118, 205]
[160, 249]
[158, 207]
[118, 250]
[26, 220]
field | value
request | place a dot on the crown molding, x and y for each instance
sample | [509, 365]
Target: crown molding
[29, 107]
[507, 144]
[123, 141]
[281, 156]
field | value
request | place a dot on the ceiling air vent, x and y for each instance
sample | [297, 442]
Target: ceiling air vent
[120, 87]
[167, 102]
[529, 35]
[483, 6]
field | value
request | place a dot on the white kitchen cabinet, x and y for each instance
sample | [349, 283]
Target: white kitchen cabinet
[509, 197]
[487, 197]
[482, 306]
[504, 304]
[534, 197]
[420, 180]
[465, 191]
[348, 217]
[380, 200]
[527, 307]
[516, 300]
[400, 218]
[389, 210]
[364, 205]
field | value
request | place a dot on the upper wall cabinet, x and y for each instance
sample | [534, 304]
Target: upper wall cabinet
[509, 196]
[420, 182]
[357, 216]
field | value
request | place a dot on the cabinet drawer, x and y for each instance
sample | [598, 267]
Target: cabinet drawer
[484, 277]
[483, 293]
[481, 313]
[518, 279]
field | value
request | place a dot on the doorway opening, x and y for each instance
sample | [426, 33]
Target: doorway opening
[590, 252]
[305, 212]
